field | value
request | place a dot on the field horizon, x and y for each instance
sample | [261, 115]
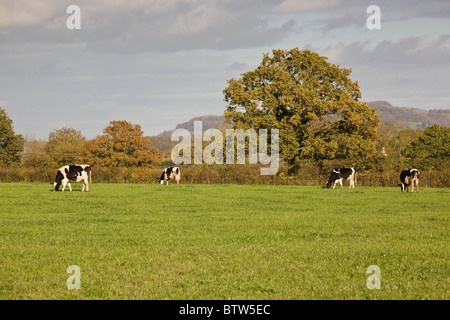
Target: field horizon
[220, 242]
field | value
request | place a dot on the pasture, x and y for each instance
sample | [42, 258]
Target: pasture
[147, 241]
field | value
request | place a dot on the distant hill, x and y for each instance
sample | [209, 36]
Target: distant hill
[401, 117]
[411, 118]
[208, 122]
[162, 141]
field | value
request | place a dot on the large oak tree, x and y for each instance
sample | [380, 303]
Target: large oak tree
[313, 103]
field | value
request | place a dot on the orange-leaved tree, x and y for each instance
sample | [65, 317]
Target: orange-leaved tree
[122, 145]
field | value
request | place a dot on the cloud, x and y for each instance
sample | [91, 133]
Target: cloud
[21, 13]
[409, 72]
[159, 24]
[411, 52]
[238, 66]
[195, 20]
[328, 15]
[295, 6]
[138, 26]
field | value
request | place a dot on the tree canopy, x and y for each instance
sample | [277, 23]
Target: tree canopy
[431, 148]
[11, 144]
[122, 145]
[65, 146]
[313, 103]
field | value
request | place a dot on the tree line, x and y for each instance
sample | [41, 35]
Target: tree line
[314, 104]
[123, 154]
[122, 144]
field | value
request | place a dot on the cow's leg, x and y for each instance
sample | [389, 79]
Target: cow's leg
[178, 180]
[64, 184]
[70, 187]
[340, 181]
[85, 184]
[417, 185]
[351, 183]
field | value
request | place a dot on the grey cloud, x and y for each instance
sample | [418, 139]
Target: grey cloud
[151, 26]
[409, 52]
[237, 66]
[225, 33]
[410, 72]
[335, 14]
[76, 88]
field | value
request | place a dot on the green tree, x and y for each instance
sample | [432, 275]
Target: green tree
[65, 146]
[392, 147]
[313, 103]
[122, 145]
[11, 144]
[432, 148]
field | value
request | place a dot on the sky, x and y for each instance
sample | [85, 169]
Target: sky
[158, 63]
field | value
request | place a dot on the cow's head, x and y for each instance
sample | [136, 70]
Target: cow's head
[414, 173]
[55, 185]
[58, 181]
[163, 177]
[334, 176]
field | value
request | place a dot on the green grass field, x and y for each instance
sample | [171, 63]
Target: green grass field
[137, 241]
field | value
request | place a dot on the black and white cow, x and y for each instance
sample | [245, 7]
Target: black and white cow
[75, 173]
[409, 177]
[342, 173]
[170, 173]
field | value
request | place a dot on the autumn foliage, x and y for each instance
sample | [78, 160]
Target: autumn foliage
[121, 145]
[313, 103]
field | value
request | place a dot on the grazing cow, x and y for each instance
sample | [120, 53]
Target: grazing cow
[409, 177]
[343, 173]
[75, 173]
[170, 173]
